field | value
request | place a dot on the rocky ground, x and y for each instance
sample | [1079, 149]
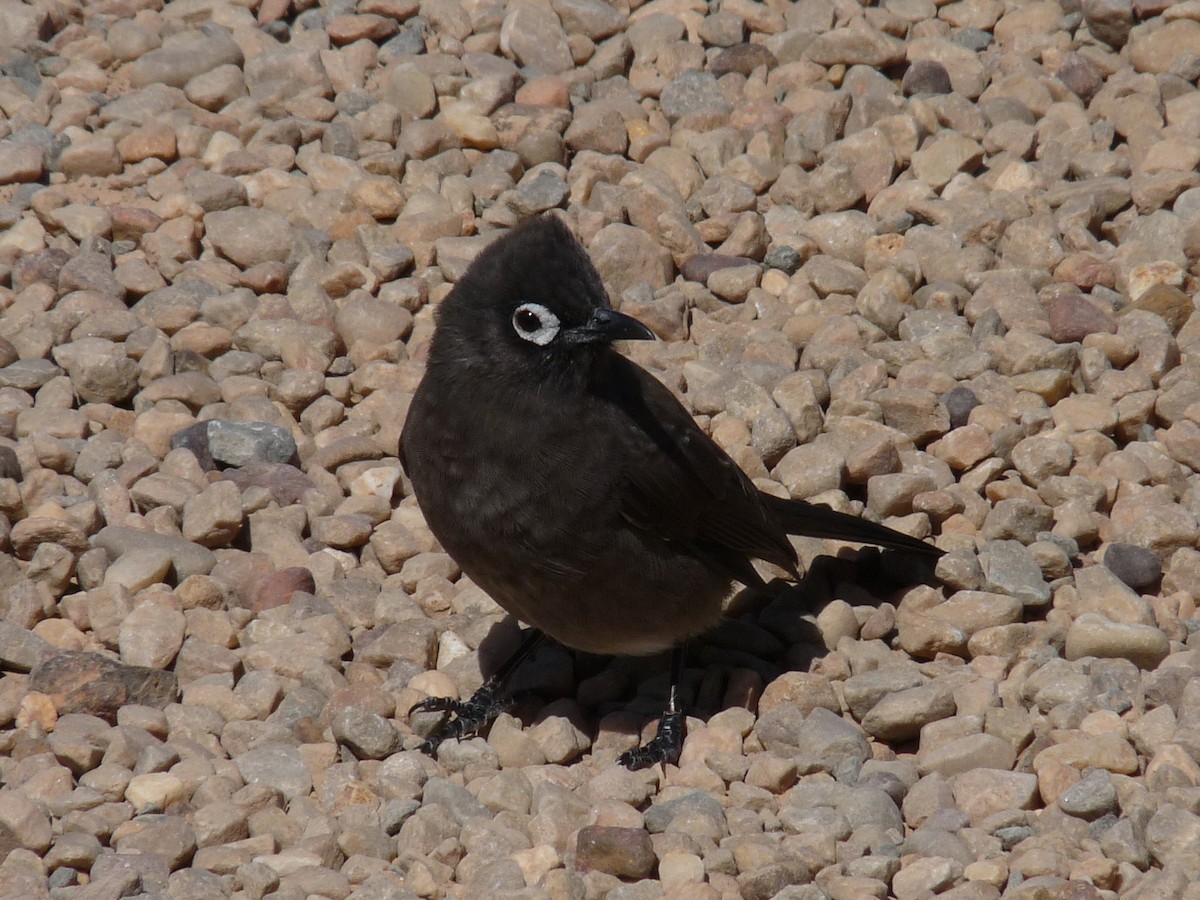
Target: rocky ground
[928, 262]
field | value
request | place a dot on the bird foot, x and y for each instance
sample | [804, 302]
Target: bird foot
[664, 747]
[464, 718]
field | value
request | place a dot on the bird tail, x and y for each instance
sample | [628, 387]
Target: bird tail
[805, 519]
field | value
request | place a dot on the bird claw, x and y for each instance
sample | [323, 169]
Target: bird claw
[464, 718]
[436, 704]
[664, 747]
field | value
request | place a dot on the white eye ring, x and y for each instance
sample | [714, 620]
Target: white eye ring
[535, 323]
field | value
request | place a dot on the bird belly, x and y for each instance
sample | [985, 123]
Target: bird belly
[629, 601]
[598, 586]
[539, 529]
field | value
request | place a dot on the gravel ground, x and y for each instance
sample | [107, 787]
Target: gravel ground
[928, 262]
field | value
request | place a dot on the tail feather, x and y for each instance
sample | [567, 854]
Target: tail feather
[814, 520]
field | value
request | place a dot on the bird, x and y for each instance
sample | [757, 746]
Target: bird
[573, 487]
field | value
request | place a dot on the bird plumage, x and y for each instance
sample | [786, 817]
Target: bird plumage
[568, 482]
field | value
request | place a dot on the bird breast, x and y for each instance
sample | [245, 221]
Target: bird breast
[529, 507]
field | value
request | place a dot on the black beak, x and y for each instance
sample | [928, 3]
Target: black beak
[607, 325]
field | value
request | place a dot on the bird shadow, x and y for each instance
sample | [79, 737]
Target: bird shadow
[763, 635]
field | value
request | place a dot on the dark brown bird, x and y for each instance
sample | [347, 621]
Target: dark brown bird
[571, 485]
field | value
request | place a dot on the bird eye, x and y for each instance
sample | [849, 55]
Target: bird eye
[535, 323]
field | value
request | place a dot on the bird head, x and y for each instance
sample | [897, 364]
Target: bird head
[531, 304]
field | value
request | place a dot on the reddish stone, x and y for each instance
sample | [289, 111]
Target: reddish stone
[278, 587]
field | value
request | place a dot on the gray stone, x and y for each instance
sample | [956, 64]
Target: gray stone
[1135, 566]
[1010, 568]
[184, 56]
[249, 443]
[276, 766]
[1091, 797]
[186, 558]
[693, 93]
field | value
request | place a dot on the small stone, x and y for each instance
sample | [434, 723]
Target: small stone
[345, 30]
[367, 735]
[923, 877]
[1109, 751]
[186, 558]
[1011, 569]
[1135, 566]
[742, 58]
[1173, 305]
[96, 685]
[598, 127]
[1091, 797]
[959, 402]
[151, 635]
[1170, 831]
[155, 840]
[702, 266]
[678, 869]
[803, 690]
[24, 824]
[1072, 318]
[697, 804]
[471, 127]
[278, 588]
[914, 411]
[856, 46]
[900, 716]
[626, 256]
[1109, 20]
[693, 93]
[926, 76]
[983, 792]
[785, 259]
[624, 852]
[154, 792]
[558, 733]
[945, 157]
[28, 534]
[734, 283]
[248, 443]
[100, 372]
[95, 157]
[974, 751]
[183, 57]
[1158, 50]
[864, 691]
[545, 90]
[21, 163]
[276, 766]
[213, 517]
[534, 37]
[1093, 635]
[249, 236]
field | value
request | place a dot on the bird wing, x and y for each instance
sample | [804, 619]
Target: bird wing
[683, 488]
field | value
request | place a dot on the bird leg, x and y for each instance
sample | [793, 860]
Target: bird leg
[465, 718]
[667, 744]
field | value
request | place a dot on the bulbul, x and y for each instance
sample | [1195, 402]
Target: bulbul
[572, 486]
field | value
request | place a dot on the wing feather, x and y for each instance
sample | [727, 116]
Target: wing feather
[683, 488]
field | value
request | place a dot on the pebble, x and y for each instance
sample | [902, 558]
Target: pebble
[984, 792]
[1093, 635]
[87, 682]
[279, 767]
[901, 715]
[154, 792]
[1135, 566]
[151, 635]
[624, 852]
